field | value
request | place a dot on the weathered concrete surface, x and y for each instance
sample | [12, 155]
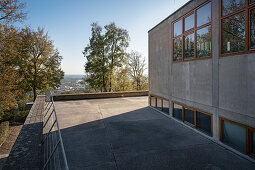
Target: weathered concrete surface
[26, 152]
[123, 133]
[222, 86]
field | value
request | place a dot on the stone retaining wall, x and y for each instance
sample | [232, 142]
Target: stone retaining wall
[98, 95]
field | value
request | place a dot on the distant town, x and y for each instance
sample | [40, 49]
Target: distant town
[71, 83]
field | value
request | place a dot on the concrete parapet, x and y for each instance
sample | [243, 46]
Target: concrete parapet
[82, 96]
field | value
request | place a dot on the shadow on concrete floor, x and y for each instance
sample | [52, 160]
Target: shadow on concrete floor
[143, 139]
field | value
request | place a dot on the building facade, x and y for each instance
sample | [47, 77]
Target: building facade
[202, 69]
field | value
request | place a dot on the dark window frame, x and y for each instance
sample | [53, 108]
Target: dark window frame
[248, 7]
[195, 116]
[248, 134]
[190, 31]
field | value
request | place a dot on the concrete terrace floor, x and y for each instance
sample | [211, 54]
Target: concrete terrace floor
[124, 133]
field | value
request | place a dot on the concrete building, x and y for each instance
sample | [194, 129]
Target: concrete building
[202, 70]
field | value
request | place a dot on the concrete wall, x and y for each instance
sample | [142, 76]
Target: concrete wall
[222, 86]
[82, 96]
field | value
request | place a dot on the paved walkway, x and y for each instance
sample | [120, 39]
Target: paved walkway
[123, 133]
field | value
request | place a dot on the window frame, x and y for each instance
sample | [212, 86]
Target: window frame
[195, 116]
[248, 7]
[248, 134]
[190, 31]
[156, 102]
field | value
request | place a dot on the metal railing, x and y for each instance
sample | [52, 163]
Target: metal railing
[54, 156]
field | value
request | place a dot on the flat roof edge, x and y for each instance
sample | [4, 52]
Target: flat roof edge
[170, 15]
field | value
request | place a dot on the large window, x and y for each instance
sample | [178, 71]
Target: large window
[238, 136]
[192, 34]
[193, 117]
[237, 27]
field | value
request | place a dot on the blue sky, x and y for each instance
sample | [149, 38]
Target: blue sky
[68, 23]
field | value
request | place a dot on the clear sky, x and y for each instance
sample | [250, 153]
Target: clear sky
[68, 23]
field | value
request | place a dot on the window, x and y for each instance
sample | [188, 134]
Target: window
[204, 42]
[177, 111]
[234, 135]
[238, 136]
[252, 29]
[159, 103]
[233, 33]
[178, 28]
[165, 106]
[204, 122]
[237, 27]
[204, 15]
[189, 22]
[189, 116]
[189, 46]
[193, 117]
[153, 101]
[229, 6]
[196, 37]
[178, 49]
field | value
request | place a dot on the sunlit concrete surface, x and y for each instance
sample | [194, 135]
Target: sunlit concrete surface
[124, 133]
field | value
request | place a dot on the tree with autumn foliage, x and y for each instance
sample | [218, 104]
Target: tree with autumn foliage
[41, 62]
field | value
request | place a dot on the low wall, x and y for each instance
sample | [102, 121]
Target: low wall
[82, 96]
[26, 152]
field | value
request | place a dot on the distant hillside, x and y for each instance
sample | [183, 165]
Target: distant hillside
[70, 76]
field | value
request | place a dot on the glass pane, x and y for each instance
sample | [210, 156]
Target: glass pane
[189, 116]
[178, 49]
[234, 136]
[189, 22]
[178, 28]
[253, 142]
[204, 122]
[153, 101]
[229, 6]
[204, 42]
[204, 14]
[159, 106]
[233, 33]
[252, 1]
[253, 28]
[177, 111]
[189, 46]
[166, 107]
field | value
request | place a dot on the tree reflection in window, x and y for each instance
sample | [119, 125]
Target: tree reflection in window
[229, 6]
[189, 46]
[204, 42]
[252, 18]
[178, 49]
[233, 33]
